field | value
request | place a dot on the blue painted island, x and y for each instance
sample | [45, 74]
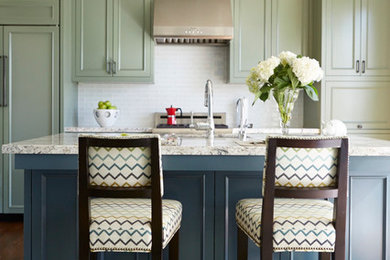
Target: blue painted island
[208, 181]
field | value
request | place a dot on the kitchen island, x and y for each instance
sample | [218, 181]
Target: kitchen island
[208, 181]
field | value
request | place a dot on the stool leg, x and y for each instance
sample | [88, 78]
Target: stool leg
[242, 245]
[325, 256]
[174, 247]
[92, 256]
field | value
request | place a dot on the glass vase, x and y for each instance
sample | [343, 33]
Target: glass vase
[285, 100]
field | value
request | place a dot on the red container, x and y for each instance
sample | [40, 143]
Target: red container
[171, 111]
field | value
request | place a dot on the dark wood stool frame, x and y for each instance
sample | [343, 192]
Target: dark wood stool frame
[338, 193]
[86, 191]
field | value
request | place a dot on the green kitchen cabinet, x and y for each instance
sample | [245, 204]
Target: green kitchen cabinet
[29, 12]
[30, 107]
[290, 26]
[249, 44]
[356, 37]
[366, 102]
[113, 41]
[93, 38]
[263, 28]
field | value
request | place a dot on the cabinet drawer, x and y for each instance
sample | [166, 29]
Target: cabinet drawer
[42, 12]
[360, 105]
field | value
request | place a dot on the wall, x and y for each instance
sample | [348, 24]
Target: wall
[180, 76]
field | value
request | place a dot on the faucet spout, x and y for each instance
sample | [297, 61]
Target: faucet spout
[208, 102]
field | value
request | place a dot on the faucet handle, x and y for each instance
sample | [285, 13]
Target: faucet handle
[192, 120]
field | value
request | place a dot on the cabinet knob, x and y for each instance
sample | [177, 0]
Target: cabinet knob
[360, 126]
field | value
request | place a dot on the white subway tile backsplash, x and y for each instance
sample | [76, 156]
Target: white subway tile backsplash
[180, 75]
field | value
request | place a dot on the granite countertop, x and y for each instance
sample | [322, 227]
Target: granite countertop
[66, 143]
[86, 129]
[228, 132]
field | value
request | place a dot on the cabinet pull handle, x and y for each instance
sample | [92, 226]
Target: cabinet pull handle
[108, 67]
[364, 66]
[357, 66]
[1, 74]
[5, 63]
[113, 67]
[360, 126]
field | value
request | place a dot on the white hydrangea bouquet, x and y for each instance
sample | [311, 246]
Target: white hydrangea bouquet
[284, 77]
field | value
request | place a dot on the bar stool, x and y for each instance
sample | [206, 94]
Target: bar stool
[299, 174]
[120, 186]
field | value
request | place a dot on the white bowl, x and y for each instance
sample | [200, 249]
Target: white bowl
[106, 117]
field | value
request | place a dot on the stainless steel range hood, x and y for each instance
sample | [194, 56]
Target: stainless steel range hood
[192, 21]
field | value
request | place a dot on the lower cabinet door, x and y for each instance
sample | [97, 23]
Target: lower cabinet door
[230, 187]
[368, 220]
[195, 190]
[360, 105]
[51, 215]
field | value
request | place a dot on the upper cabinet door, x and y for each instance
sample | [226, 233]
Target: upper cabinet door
[42, 12]
[93, 38]
[133, 45]
[375, 38]
[290, 21]
[342, 50]
[248, 46]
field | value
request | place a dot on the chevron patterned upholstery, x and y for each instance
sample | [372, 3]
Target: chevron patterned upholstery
[119, 167]
[304, 168]
[124, 225]
[299, 224]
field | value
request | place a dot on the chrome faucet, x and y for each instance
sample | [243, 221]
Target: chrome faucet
[208, 102]
[242, 118]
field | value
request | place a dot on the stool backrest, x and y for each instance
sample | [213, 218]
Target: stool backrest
[120, 167]
[305, 167]
[301, 167]
[116, 163]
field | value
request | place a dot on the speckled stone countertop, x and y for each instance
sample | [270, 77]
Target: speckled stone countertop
[78, 129]
[67, 144]
[229, 132]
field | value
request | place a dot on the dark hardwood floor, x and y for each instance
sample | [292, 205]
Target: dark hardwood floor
[11, 238]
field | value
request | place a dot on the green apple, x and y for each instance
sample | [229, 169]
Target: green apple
[100, 103]
[107, 103]
[112, 107]
[103, 106]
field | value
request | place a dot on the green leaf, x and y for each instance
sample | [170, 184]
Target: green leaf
[266, 88]
[278, 80]
[264, 96]
[312, 92]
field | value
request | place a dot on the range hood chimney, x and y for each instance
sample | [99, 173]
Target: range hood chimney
[192, 21]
